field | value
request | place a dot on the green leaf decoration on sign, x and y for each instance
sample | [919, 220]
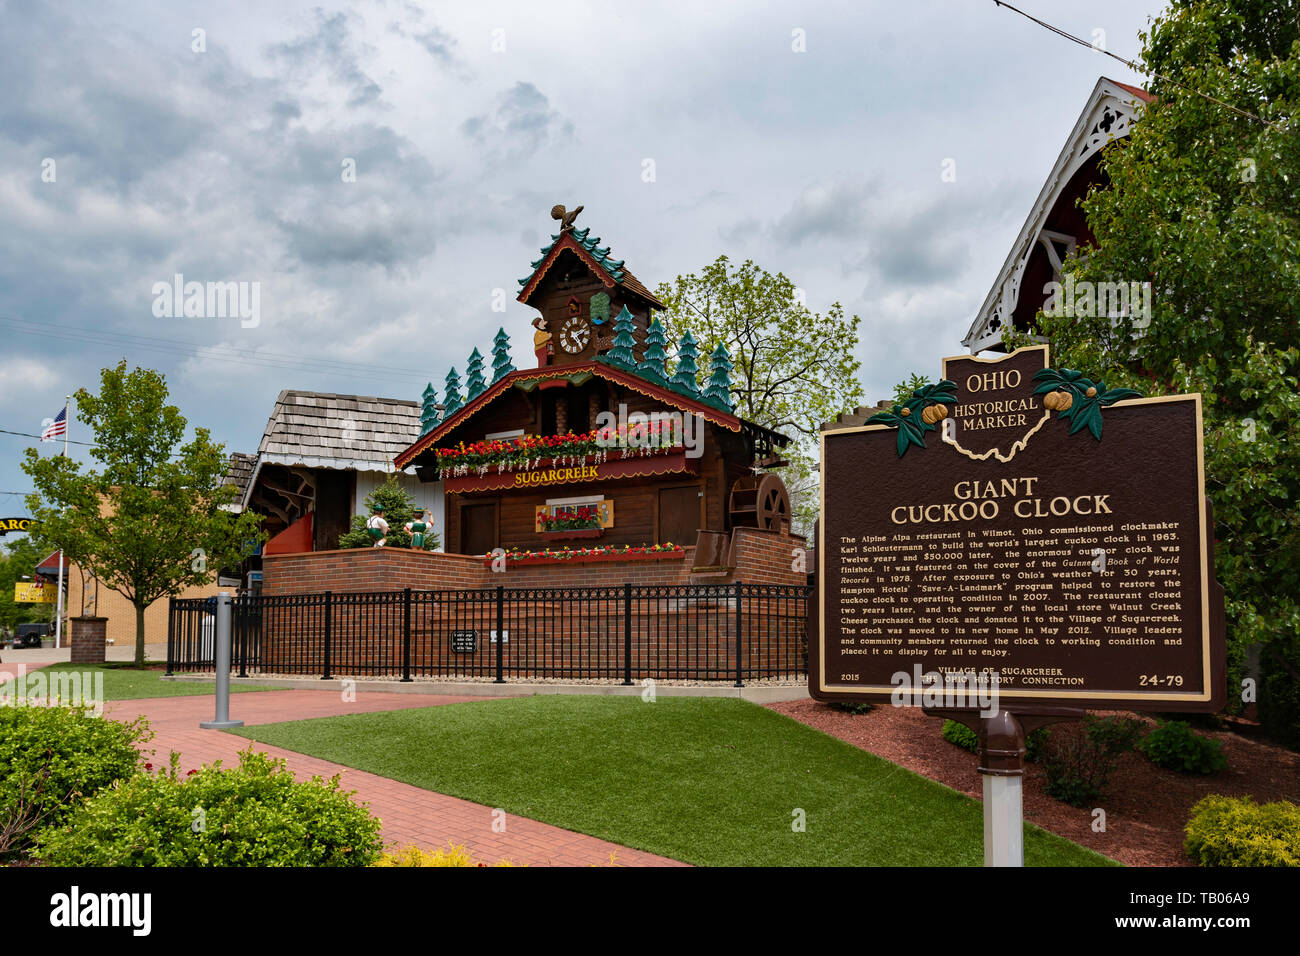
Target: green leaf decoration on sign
[909, 417]
[1086, 398]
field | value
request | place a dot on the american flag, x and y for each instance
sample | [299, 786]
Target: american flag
[56, 428]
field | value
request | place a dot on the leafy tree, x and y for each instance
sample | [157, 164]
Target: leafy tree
[148, 522]
[399, 508]
[793, 368]
[1203, 203]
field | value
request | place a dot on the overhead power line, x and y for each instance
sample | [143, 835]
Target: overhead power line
[1135, 67]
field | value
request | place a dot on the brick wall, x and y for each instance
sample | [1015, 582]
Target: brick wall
[759, 557]
[682, 634]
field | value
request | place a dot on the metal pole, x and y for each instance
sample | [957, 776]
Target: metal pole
[58, 613]
[222, 721]
[1002, 766]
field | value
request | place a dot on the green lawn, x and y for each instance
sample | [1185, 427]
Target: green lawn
[121, 682]
[712, 781]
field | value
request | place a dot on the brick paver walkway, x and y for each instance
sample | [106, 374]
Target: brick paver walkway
[410, 815]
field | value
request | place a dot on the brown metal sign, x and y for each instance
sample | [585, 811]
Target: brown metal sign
[1024, 530]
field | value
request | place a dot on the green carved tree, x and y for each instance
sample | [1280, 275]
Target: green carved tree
[1202, 204]
[717, 390]
[501, 363]
[453, 402]
[686, 372]
[655, 356]
[622, 354]
[428, 410]
[474, 383]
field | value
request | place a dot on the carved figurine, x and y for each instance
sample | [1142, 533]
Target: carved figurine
[377, 527]
[418, 527]
[565, 217]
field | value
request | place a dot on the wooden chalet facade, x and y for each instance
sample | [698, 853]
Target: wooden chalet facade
[1056, 224]
[511, 452]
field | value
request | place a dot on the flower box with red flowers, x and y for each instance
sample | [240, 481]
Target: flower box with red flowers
[645, 552]
[528, 452]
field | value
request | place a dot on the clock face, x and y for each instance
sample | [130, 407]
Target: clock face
[574, 335]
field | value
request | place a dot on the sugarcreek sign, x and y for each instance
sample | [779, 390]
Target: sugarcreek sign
[1025, 529]
[15, 524]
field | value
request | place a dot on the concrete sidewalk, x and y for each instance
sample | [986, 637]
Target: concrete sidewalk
[410, 815]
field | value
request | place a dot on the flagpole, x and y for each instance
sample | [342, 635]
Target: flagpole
[58, 613]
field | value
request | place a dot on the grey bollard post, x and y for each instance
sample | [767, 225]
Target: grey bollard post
[221, 651]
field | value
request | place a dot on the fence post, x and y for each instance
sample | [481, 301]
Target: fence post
[627, 633]
[171, 636]
[240, 609]
[501, 633]
[406, 636]
[739, 682]
[329, 600]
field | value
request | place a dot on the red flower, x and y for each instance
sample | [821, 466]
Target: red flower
[190, 773]
[148, 766]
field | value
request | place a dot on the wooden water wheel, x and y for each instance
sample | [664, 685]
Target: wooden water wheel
[760, 501]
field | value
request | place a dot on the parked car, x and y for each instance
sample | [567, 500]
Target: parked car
[30, 635]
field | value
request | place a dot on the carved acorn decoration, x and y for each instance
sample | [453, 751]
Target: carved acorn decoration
[1058, 401]
[934, 414]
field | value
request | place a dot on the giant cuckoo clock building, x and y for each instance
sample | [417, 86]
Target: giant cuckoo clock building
[599, 444]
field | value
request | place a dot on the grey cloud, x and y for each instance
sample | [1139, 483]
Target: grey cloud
[330, 48]
[522, 122]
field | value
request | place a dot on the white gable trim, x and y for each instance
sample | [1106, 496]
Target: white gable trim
[1109, 105]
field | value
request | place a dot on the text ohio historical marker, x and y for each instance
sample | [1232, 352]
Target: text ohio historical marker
[1022, 527]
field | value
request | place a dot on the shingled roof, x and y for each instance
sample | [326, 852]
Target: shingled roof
[321, 430]
[239, 471]
[587, 247]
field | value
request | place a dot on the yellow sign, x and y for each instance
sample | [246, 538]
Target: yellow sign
[15, 524]
[29, 593]
[555, 476]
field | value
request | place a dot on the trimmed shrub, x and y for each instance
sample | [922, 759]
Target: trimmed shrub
[453, 855]
[51, 758]
[1175, 746]
[961, 735]
[257, 814]
[854, 706]
[1079, 760]
[1236, 831]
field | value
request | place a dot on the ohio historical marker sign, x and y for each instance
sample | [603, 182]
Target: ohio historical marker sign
[1026, 522]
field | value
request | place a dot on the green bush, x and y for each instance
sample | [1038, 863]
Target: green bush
[1079, 760]
[1236, 831]
[254, 815]
[1175, 746]
[967, 739]
[961, 735]
[51, 758]
[854, 706]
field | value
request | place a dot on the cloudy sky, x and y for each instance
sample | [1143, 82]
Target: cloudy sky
[218, 141]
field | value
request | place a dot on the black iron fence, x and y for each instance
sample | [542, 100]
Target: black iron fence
[628, 632]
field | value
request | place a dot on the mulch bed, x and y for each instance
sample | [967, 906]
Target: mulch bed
[1146, 806]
